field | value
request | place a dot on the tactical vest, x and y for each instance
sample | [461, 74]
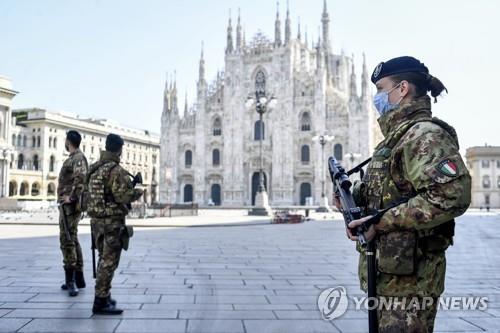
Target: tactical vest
[101, 202]
[382, 190]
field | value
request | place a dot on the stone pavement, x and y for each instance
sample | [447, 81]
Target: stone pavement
[254, 279]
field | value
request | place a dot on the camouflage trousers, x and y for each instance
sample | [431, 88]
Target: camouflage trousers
[411, 319]
[106, 233]
[71, 250]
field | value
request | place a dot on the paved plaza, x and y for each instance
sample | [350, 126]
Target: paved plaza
[246, 277]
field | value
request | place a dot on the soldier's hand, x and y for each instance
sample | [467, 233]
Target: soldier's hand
[66, 199]
[369, 234]
[336, 202]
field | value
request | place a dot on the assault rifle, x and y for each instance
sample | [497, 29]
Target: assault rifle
[342, 189]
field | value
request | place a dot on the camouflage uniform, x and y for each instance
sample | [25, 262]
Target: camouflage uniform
[419, 159]
[71, 183]
[109, 181]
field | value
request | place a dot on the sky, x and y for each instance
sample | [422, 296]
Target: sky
[109, 59]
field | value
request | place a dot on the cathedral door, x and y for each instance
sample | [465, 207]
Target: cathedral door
[255, 185]
[305, 191]
[216, 194]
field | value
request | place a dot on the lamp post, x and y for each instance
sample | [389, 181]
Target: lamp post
[322, 140]
[262, 104]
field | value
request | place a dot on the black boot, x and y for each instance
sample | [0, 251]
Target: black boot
[111, 301]
[79, 279]
[70, 282]
[103, 306]
[64, 286]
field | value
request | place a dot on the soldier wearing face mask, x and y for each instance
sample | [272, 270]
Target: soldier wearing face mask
[417, 165]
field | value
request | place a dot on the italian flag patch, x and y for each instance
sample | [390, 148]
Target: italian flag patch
[448, 168]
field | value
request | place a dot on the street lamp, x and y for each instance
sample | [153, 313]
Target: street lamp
[262, 104]
[322, 140]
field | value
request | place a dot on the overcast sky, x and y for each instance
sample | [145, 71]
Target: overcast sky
[109, 58]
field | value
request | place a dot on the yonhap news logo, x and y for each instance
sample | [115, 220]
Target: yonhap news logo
[333, 303]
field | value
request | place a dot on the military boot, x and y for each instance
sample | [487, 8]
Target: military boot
[103, 306]
[79, 279]
[70, 282]
[111, 300]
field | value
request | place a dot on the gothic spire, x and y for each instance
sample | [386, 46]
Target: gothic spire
[288, 29]
[277, 27]
[175, 105]
[185, 104]
[166, 106]
[238, 32]
[364, 79]
[229, 46]
[201, 75]
[354, 88]
[298, 28]
[325, 22]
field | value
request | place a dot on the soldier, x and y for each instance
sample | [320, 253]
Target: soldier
[418, 169]
[70, 186]
[110, 194]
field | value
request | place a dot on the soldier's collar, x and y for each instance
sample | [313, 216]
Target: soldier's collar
[109, 156]
[391, 120]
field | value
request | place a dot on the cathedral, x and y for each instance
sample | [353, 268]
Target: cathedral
[214, 152]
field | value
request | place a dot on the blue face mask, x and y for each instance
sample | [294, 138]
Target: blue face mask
[381, 101]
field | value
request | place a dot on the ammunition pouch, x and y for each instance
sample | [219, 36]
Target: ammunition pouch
[126, 232]
[396, 252]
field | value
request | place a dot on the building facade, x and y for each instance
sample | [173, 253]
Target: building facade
[38, 151]
[210, 151]
[6, 148]
[484, 167]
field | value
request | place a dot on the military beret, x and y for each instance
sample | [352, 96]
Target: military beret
[74, 137]
[114, 143]
[398, 65]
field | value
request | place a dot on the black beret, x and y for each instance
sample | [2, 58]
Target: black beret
[74, 137]
[114, 143]
[398, 65]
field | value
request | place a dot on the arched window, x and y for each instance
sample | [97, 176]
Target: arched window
[217, 130]
[12, 188]
[13, 139]
[188, 158]
[52, 163]
[50, 142]
[35, 189]
[260, 82]
[24, 188]
[337, 152]
[20, 161]
[33, 141]
[54, 143]
[257, 129]
[51, 189]
[216, 157]
[19, 140]
[25, 141]
[35, 162]
[188, 193]
[304, 154]
[305, 122]
[153, 177]
[38, 141]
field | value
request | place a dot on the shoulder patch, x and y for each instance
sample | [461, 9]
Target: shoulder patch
[448, 168]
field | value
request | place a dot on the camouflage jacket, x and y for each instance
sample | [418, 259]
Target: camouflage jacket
[72, 176]
[419, 159]
[110, 187]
